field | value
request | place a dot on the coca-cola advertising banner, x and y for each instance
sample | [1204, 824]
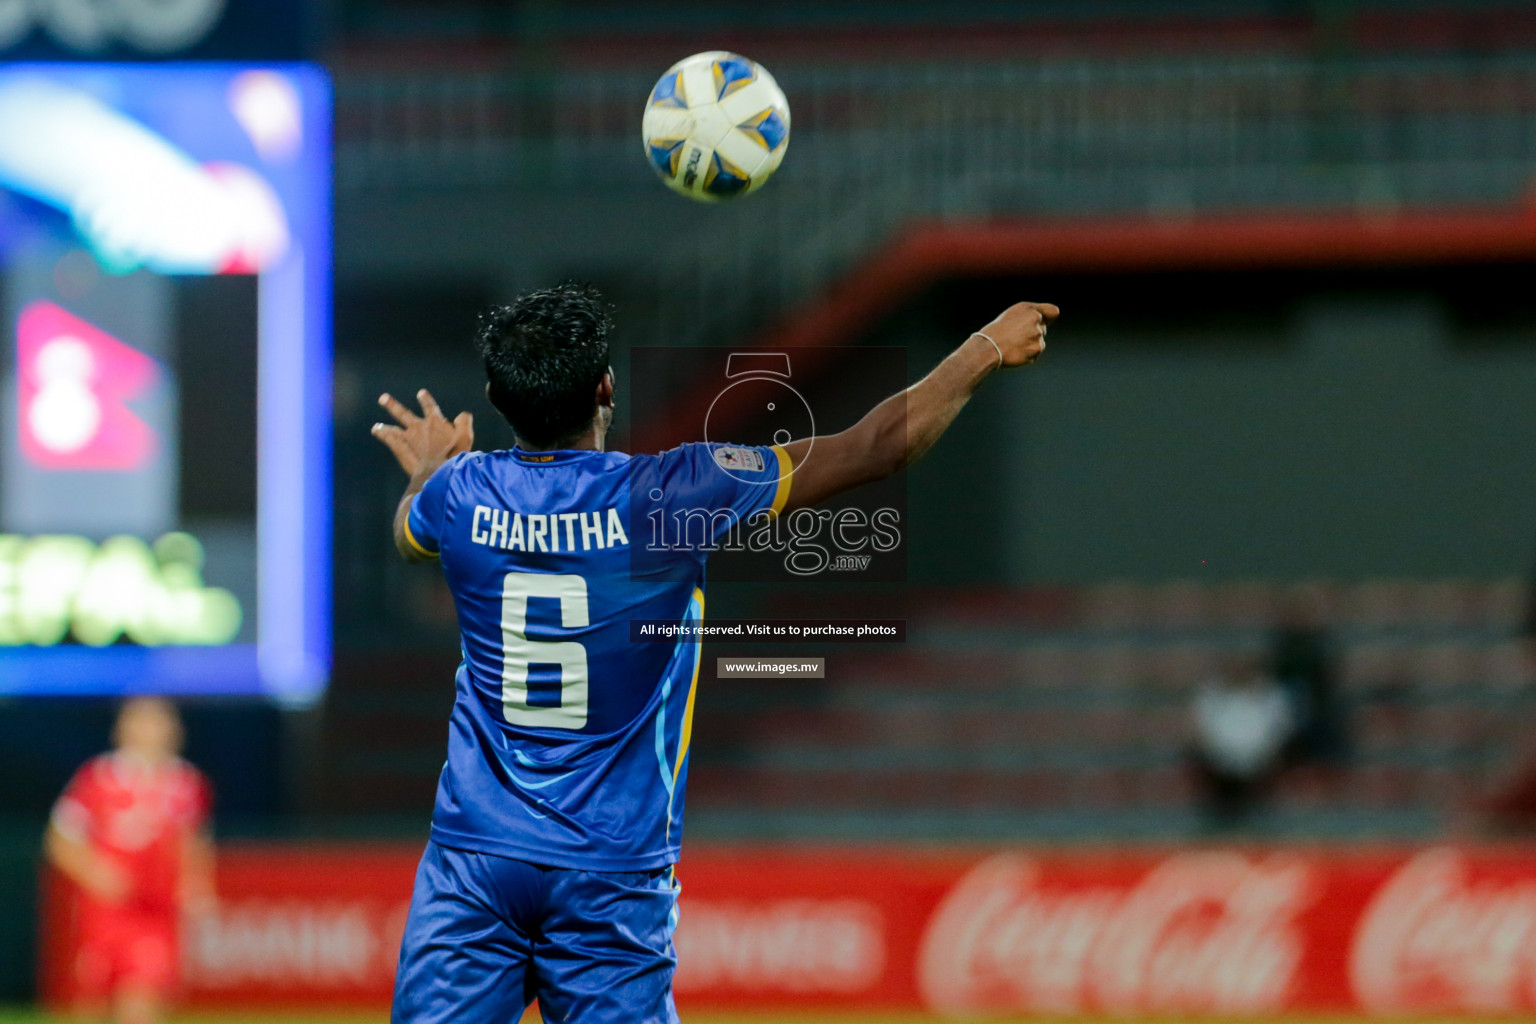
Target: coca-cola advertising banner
[1220, 932]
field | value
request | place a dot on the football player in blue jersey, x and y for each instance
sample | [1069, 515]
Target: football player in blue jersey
[548, 874]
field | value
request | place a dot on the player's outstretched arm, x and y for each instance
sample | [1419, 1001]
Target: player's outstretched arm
[421, 444]
[197, 892]
[900, 429]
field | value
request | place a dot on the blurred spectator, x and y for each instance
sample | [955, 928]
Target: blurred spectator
[1510, 806]
[1243, 720]
[1302, 660]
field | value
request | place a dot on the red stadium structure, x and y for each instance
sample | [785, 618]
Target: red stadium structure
[1178, 932]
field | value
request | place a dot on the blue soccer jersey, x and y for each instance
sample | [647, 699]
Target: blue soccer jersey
[568, 742]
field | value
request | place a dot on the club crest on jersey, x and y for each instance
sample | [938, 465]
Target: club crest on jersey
[748, 460]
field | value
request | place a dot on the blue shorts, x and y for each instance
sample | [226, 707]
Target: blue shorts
[487, 935]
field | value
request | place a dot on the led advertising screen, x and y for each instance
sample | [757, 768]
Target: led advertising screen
[164, 379]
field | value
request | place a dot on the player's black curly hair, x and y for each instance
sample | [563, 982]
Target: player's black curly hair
[544, 357]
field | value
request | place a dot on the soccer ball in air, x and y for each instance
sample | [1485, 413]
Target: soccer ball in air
[716, 126]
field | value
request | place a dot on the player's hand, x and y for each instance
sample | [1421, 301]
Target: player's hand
[422, 443]
[106, 881]
[1019, 332]
[199, 903]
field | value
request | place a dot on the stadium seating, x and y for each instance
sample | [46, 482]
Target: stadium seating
[1079, 725]
[1085, 133]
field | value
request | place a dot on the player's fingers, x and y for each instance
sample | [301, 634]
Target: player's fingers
[429, 406]
[394, 440]
[397, 409]
[464, 431]
[1048, 312]
[1031, 323]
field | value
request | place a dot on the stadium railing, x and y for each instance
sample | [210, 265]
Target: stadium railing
[875, 146]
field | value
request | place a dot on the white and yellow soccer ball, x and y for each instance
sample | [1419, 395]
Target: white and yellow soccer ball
[716, 126]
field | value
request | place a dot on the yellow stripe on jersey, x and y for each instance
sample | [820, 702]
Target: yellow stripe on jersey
[693, 689]
[786, 470]
[410, 538]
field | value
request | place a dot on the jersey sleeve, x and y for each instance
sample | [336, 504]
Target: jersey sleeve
[74, 812]
[723, 484]
[424, 521]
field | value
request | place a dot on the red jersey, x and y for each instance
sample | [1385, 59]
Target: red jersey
[140, 816]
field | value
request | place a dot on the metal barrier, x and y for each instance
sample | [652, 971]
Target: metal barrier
[1055, 134]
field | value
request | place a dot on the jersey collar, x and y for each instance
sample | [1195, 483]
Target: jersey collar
[552, 457]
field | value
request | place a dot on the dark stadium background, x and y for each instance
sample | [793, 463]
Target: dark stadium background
[1294, 244]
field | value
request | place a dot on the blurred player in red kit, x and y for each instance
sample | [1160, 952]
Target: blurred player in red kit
[131, 832]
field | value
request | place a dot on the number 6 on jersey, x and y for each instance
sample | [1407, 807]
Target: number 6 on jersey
[519, 654]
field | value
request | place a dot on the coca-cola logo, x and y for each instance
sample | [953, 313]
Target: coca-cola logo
[1198, 933]
[1434, 939]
